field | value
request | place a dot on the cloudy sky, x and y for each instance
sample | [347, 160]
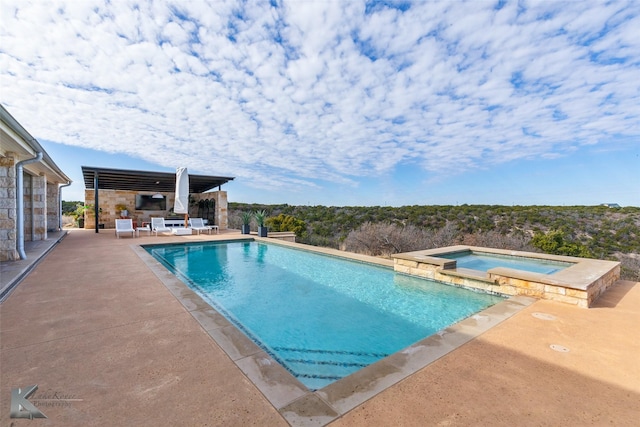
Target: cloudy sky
[338, 102]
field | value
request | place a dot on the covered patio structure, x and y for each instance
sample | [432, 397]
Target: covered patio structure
[141, 195]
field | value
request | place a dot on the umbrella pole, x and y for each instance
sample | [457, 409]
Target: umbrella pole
[186, 220]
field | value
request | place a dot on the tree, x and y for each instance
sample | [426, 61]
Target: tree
[70, 207]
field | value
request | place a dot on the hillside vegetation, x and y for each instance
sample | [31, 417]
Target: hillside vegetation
[585, 231]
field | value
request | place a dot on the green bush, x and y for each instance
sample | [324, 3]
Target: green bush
[78, 212]
[554, 242]
[284, 222]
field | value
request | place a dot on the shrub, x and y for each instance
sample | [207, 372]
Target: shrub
[385, 239]
[517, 241]
[629, 266]
[284, 222]
[554, 242]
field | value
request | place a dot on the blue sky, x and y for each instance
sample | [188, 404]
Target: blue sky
[338, 103]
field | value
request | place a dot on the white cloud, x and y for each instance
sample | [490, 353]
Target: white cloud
[321, 90]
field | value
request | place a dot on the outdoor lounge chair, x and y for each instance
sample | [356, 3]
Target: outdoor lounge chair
[157, 225]
[125, 226]
[198, 225]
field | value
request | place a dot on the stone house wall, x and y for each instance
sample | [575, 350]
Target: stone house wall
[8, 236]
[40, 214]
[40, 179]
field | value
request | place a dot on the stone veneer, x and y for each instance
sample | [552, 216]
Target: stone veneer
[8, 209]
[580, 284]
[53, 207]
[35, 207]
[108, 199]
[40, 210]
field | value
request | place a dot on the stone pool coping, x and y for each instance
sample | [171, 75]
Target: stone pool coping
[297, 404]
[579, 284]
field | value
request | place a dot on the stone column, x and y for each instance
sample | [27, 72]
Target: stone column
[89, 217]
[53, 207]
[8, 236]
[39, 207]
[222, 209]
[25, 193]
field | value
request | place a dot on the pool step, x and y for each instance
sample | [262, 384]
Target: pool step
[325, 366]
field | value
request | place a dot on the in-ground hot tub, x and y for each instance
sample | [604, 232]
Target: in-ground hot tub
[572, 280]
[485, 261]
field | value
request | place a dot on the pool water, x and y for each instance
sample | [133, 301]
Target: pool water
[321, 317]
[485, 262]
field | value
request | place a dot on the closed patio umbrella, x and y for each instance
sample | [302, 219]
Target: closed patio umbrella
[181, 205]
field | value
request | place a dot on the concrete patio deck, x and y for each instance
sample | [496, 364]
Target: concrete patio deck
[108, 344]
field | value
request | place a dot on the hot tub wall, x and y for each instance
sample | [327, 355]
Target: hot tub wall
[452, 277]
[579, 285]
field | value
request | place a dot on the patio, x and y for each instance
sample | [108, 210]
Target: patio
[91, 323]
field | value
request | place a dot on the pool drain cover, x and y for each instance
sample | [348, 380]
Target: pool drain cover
[559, 348]
[543, 316]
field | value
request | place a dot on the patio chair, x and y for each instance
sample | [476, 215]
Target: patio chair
[125, 226]
[198, 225]
[157, 225]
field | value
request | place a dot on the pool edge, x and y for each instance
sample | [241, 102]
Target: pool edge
[301, 406]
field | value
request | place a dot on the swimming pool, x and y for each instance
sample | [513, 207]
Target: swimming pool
[485, 261]
[320, 317]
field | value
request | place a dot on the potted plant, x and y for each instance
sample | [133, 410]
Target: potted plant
[90, 210]
[260, 216]
[246, 222]
[78, 215]
[122, 208]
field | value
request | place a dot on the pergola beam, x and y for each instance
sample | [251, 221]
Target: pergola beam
[145, 181]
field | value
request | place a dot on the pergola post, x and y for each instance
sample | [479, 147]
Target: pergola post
[95, 198]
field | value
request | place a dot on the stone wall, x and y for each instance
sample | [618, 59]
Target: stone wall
[222, 207]
[604, 283]
[108, 199]
[53, 207]
[8, 209]
[40, 207]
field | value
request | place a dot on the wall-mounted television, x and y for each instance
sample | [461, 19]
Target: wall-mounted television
[148, 203]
